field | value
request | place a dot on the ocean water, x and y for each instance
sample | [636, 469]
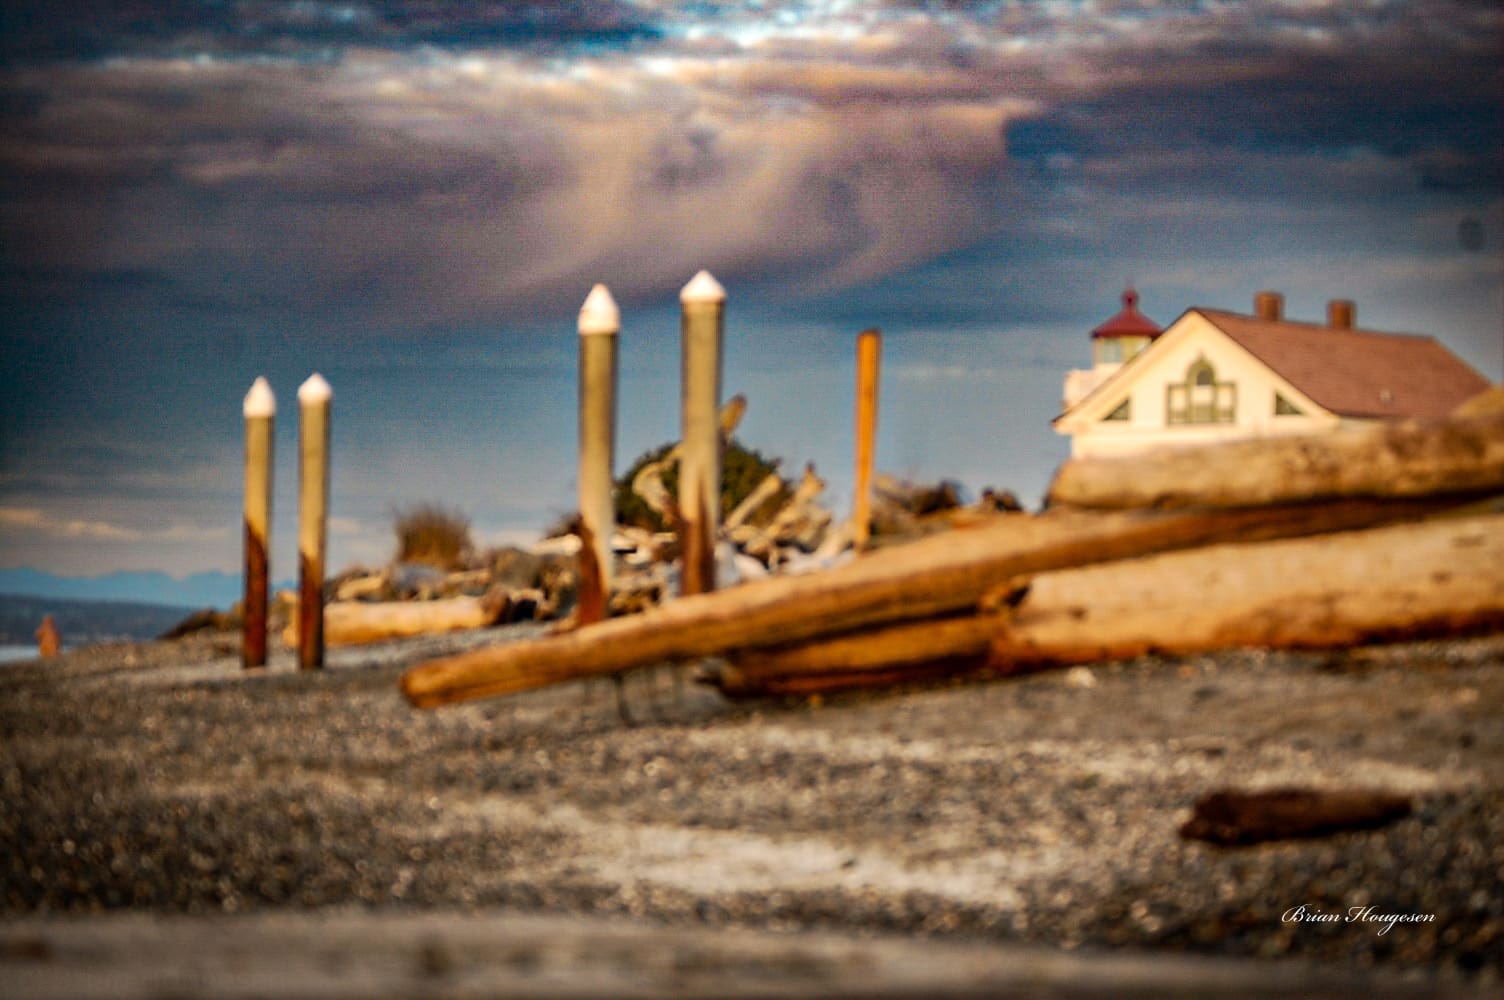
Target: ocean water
[9, 654]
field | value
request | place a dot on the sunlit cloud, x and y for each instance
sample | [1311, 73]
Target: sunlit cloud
[31, 520]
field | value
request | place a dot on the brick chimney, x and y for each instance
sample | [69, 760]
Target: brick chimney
[1269, 305]
[1341, 314]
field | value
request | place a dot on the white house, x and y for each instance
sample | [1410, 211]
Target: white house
[1213, 374]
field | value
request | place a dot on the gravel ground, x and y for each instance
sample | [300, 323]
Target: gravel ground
[1038, 812]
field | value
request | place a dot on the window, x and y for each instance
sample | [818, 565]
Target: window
[1114, 350]
[1123, 411]
[1284, 408]
[1201, 399]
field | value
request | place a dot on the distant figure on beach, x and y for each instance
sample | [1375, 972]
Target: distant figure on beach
[49, 640]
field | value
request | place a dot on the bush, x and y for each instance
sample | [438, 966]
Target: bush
[742, 469]
[432, 535]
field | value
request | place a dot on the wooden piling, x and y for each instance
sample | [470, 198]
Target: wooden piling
[260, 411]
[314, 398]
[869, 346]
[703, 304]
[599, 325]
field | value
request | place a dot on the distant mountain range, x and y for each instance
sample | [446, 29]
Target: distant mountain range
[201, 590]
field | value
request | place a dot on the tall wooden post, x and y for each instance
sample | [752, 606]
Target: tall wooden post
[703, 308]
[260, 410]
[314, 398]
[869, 349]
[600, 322]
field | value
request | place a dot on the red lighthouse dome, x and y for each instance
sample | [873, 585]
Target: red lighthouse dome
[1123, 336]
[1129, 322]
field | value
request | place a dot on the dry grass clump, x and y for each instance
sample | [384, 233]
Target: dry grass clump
[433, 535]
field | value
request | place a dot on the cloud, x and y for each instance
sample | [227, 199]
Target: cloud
[461, 188]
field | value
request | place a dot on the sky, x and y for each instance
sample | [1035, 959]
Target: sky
[414, 198]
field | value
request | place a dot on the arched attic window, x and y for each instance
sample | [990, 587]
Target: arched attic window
[1201, 399]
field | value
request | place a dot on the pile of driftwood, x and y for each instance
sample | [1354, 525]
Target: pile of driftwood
[1385, 532]
[778, 528]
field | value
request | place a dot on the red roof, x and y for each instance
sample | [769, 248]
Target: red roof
[1129, 322]
[1357, 373]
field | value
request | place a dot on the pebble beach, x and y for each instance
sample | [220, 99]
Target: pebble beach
[1025, 831]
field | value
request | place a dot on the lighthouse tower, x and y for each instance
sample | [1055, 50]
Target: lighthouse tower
[1113, 344]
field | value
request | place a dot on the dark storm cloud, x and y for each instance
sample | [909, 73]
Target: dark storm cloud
[441, 165]
[33, 31]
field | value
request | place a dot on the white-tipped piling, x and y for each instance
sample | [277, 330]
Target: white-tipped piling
[599, 314]
[703, 288]
[600, 322]
[260, 409]
[314, 398]
[701, 333]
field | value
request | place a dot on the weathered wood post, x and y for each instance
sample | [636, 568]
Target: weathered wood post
[260, 410]
[314, 397]
[869, 347]
[600, 323]
[703, 307]
[49, 639]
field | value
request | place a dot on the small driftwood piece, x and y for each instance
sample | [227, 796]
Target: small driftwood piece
[354, 623]
[648, 483]
[801, 522]
[1399, 582]
[912, 651]
[1461, 456]
[939, 575]
[760, 495]
[1232, 817]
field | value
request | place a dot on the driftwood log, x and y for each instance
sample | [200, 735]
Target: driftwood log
[354, 623]
[1460, 456]
[908, 652]
[1399, 582]
[938, 575]
[1488, 403]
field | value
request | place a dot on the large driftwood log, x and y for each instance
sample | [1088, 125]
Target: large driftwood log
[1460, 456]
[354, 623]
[934, 576]
[1397, 582]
